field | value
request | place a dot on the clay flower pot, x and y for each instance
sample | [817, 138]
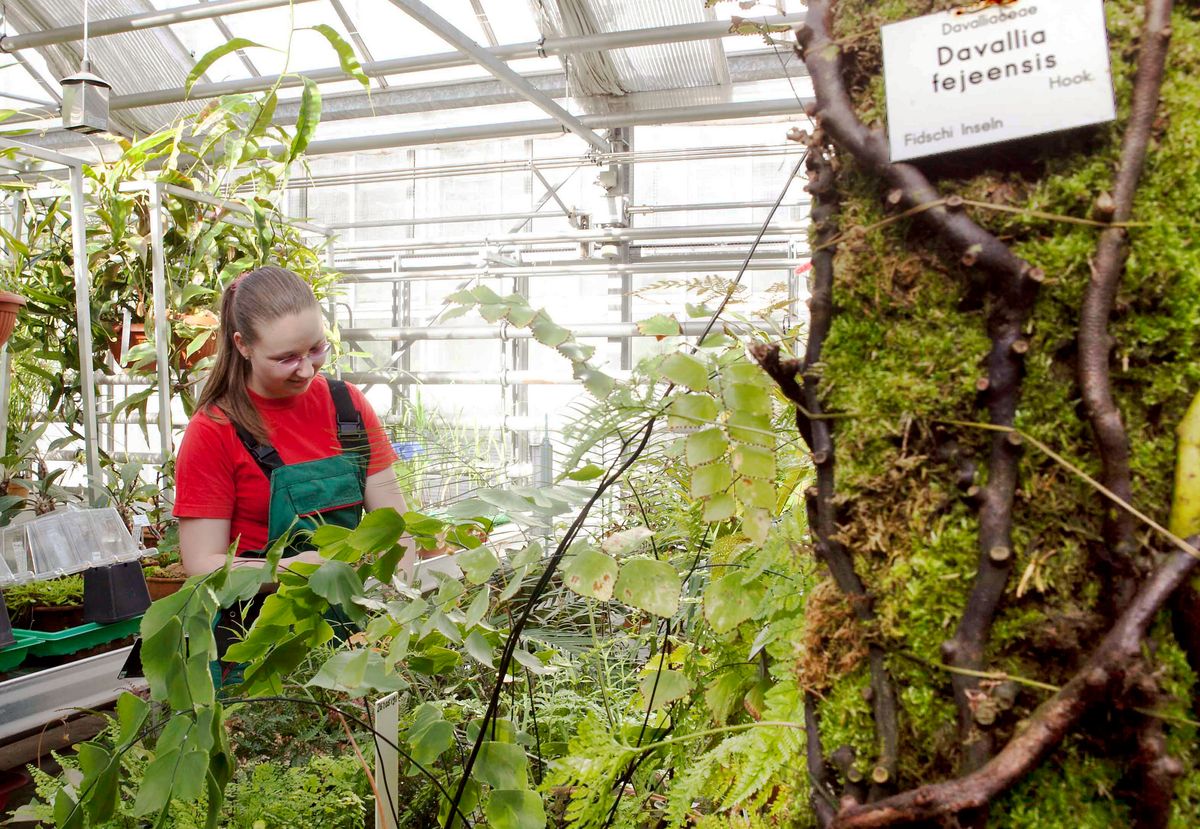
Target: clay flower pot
[10, 305]
[137, 336]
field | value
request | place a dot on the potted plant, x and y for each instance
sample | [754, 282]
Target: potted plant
[164, 571]
[46, 605]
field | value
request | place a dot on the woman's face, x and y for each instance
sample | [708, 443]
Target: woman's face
[287, 354]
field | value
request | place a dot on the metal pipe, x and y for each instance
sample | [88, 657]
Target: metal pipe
[469, 378]
[688, 328]
[162, 326]
[599, 236]
[83, 321]
[635, 268]
[440, 220]
[420, 63]
[650, 209]
[137, 22]
[554, 162]
[441, 27]
[515, 129]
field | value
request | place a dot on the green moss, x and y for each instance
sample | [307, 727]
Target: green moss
[1072, 791]
[901, 360]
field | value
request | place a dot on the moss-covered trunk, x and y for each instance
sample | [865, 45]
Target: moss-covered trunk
[977, 550]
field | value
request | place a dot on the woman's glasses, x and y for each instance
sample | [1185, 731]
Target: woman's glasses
[316, 356]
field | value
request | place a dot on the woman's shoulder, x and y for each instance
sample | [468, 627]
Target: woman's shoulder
[208, 423]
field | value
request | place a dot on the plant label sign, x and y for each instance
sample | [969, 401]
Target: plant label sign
[960, 79]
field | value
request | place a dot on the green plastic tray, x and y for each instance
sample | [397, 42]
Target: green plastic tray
[14, 654]
[71, 640]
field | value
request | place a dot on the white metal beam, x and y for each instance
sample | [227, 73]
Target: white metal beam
[672, 115]
[441, 27]
[136, 22]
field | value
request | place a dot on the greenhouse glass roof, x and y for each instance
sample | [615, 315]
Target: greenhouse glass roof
[413, 70]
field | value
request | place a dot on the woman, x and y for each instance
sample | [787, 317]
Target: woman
[275, 446]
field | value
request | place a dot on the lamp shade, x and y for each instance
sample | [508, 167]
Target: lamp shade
[85, 101]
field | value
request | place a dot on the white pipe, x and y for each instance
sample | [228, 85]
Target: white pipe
[636, 268]
[599, 236]
[515, 129]
[136, 22]
[688, 328]
[162, 326]
[83, 321]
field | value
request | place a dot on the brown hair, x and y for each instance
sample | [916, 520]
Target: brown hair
[256, 297]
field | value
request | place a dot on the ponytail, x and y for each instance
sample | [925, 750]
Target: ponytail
[253, 299]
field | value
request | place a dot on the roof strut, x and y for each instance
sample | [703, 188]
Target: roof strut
[428, 18]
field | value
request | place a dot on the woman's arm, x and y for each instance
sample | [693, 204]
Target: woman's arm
[204, 544]
[383, 490]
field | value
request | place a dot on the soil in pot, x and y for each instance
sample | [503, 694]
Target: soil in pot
[165, 581]
[55, 618]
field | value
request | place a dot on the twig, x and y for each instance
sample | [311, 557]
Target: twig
[1013, 284]
[1095, 343]
[367, 771]
[1047, 726]
[818, 434]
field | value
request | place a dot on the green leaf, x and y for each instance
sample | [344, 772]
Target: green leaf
[429, 735]
[706, 446]
[478, 564]
[434, 661]
[576, 352]
[751, 428]
[659, 325]
[729, 601]
[748, 398]
[592, 574]
[515, 809]
[344, 671]
[754, 462]
[661, 687]
[531, 661]
[683, 370]
[339, 584]
[726, 692]
[586, 473]
[501, 766]
[157, 781]
[720, 507]
[215, 55]
[598, 384]
[751, 493]
[547, 332]
[478, 607]
[480, 649]
[306, 122]
[378, 531]
[132, 711]
[624, 542]
[99, 781]
[692, 410]
[711, 479]
[649, 585]
[345, 53]
[697, 311]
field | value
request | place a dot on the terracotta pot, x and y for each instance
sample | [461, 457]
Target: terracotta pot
[207, 350]
[10, 305]
[55, 618]
[160, 587]
[137, 336]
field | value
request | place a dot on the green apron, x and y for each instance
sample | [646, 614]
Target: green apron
[302, 497]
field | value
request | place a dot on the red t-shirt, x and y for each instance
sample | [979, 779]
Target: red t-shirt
[217, 478]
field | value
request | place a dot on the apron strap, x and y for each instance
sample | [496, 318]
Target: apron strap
[351, 432]
[264, 454]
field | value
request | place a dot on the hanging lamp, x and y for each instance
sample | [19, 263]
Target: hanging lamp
[85, 94]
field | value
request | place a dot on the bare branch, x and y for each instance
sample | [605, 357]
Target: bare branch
[1095, 343]
[1049, 724]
